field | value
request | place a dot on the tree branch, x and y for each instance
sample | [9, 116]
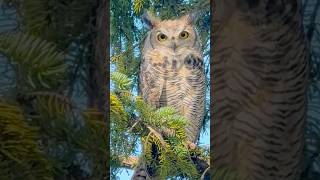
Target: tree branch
[129, 162]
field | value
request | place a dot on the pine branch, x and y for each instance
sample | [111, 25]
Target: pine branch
[201, 164]
[20, 153]
[131, 161]
[161, 128]
[38, 64]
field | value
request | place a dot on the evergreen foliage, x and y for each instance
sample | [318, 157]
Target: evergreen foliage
[132, 120]
[162, 127]
[38, 64]
[20, 156]
[48, 131]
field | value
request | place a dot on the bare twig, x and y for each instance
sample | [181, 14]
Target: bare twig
[158, 135]
[204, 173]
[133, 126]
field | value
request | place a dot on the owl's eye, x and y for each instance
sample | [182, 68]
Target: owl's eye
[162, 37]
[184, 35]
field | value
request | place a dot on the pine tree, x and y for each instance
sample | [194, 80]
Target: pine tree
[133, 121]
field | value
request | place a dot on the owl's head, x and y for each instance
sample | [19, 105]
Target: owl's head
[171, 34]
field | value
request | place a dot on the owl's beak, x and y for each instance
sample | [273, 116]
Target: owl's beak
[174, 46]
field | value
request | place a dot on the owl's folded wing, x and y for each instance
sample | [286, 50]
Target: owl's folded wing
[150, 87]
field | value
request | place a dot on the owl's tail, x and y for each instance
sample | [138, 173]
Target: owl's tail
[141, 172]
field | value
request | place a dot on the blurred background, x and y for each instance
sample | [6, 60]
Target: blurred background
[52, 89]
[311, 20]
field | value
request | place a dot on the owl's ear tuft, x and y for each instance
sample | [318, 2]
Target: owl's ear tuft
[192, 18]
[149, 20]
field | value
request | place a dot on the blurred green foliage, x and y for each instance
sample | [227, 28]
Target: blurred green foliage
[48, 130]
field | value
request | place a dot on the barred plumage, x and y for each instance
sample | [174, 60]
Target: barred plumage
[172, 70]
[259, 89]
[181, 84]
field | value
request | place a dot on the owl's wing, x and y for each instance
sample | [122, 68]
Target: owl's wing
[150, 84]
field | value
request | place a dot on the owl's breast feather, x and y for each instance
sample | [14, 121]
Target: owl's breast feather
[168, 63]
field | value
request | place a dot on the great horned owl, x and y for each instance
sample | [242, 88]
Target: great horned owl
[172, 69]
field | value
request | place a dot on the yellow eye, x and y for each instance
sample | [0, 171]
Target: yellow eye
[184, 35]
[162, 37]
